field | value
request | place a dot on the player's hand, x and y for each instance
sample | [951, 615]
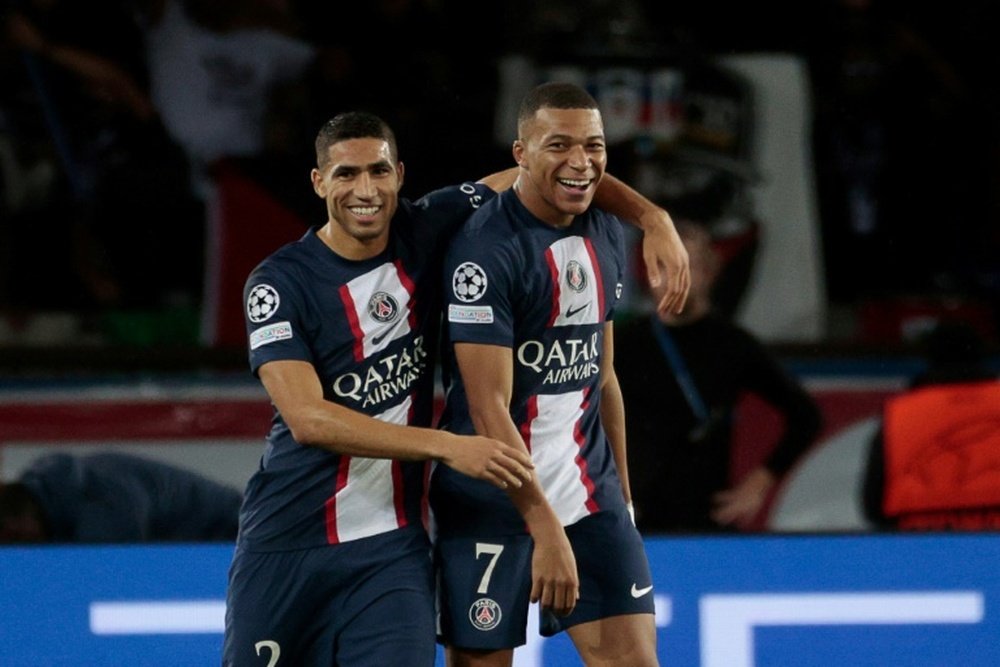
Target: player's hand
[555, 583]
[666, 261]
[740, 504]
[490, 460]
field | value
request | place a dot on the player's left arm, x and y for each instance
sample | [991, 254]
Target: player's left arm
[500, 180]
[613, 409]
[662, 249]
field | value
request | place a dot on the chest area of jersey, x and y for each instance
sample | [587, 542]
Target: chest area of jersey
[375, 341]
[572, 282]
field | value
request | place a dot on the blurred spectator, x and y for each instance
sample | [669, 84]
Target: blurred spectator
[75, 98]
[214, 67]
[934, 463]
[111, 497]
[682, 377]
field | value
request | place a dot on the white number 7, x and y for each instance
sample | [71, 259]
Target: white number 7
[496, 550]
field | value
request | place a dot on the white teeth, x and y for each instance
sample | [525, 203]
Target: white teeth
[364, 210]
[575, 183]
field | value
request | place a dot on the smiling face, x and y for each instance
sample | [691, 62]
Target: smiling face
[562, 156]
[360, 182]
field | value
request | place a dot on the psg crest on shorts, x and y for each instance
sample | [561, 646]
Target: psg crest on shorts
[383, 307]
[484, 614]
[262, 303]
[576, 277]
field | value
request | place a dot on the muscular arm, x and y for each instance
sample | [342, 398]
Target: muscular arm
[613, 410]
[501, 180]
[296, 392]
[488, 375]
[662, 249]
[106, 80]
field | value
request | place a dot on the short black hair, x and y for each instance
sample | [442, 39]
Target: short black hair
[554, 95]
[353, 125]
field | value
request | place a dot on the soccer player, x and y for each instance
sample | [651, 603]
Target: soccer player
[332, 564]
[532, 281]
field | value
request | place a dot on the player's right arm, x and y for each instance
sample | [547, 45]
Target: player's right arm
[296, 391]
[488, 376]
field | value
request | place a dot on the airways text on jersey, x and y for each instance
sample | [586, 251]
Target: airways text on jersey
[383, 377]
[562, 360]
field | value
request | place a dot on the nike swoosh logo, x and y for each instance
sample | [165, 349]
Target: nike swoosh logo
[570, 312]
[639, 592]
[376, 340]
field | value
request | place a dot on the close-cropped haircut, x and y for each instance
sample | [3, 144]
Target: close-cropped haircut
[353, 125]
[554, 95]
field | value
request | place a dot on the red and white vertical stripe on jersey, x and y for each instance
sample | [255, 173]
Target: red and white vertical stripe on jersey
[572, 304]
[370, 334]
[556, 442]
[369, 494]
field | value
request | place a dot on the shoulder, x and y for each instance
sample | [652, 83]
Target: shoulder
[284, 264]
[609, 224]
[465, 197]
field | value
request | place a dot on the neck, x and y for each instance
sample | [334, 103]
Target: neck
[347, 246]
[540, 208]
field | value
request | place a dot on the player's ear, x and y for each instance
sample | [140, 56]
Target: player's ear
[517, 150]
[400, 170]
[317, 181]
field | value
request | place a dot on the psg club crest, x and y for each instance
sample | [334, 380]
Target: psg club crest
[469, 282]
[262, 303]
[383, 307]
[484, 614]
[576, 277]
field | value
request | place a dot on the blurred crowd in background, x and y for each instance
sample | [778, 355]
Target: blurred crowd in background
[117, 118]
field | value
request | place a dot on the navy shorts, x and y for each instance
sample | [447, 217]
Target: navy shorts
[363, 602]
[484, 583]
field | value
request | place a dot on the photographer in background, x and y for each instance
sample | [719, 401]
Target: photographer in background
[682, 376]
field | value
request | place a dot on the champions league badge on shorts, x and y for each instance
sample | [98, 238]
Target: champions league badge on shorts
[262, 303]
[484, 614]
[383, 307]
[576, 277]
[469, 282]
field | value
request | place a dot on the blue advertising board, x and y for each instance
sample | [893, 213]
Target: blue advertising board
[742, 601]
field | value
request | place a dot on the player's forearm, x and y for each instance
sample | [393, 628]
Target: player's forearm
[500, 180]
[615, 196]
[345, 431]
[613, 421]
[494, 421]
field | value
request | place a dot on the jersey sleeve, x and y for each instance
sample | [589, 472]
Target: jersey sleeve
[479, 279]
[616, 238]
[443, 211]
[274, 309]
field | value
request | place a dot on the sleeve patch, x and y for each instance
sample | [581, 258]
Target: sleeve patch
[470, 314]
[272, 333]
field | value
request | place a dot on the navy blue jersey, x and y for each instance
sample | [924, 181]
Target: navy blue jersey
[546, 293]
[370, 329]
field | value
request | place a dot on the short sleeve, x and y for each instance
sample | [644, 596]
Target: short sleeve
[479, 279]
[275, 314]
